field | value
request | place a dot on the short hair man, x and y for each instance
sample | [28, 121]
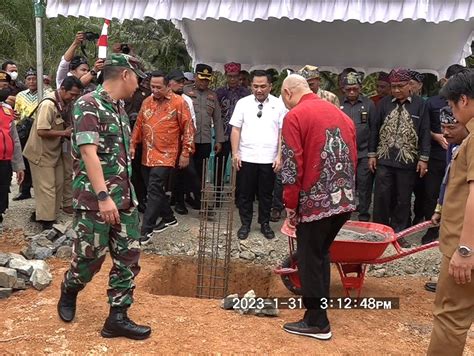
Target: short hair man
[319, 201]
[313, 77]
[244, 78]
[382, 87]
[44, 150]
[106, 216]
[454, 300]
[256, 143]
[362, 112]
[165, 129]
[15, 85]
[399, 148]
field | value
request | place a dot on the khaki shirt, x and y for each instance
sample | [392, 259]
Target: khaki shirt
[45, 152]
[208, 114]
[457, 192]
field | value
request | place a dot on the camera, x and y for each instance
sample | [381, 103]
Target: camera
[91, 36]
[124, 48]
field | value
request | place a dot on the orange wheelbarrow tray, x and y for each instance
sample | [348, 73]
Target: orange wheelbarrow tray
[352, 256]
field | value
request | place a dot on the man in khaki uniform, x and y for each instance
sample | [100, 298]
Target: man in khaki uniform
[44, 150]
[454, 302]
[313, 77]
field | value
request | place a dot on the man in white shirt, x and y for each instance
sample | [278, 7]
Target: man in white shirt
[256, 142]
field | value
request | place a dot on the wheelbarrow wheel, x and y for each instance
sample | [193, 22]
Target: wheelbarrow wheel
[292, 280]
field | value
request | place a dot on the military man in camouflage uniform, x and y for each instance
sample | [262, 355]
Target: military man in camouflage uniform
[103, 198]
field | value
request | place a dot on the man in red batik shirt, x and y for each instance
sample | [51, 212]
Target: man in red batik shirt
[319, 164]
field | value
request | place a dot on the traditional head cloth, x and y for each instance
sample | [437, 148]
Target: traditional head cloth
[446, 116]
[399, 75]
[232, 68]
[351, 78]
[383, 77]
[417, 76]
[309, 72]
[30, 72]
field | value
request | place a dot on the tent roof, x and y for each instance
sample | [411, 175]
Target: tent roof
[370, 35]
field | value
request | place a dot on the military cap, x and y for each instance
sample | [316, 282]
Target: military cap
[232, 68]
[351, 78]
[204, 71]
[126, 61]
[399, 75]
[175, 74]
[30, 72]
[5, 77]
[309, 72]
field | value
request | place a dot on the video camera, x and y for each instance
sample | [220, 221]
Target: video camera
[91, 36]
[124, 48]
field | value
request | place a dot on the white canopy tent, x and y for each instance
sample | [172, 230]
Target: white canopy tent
[370, 35]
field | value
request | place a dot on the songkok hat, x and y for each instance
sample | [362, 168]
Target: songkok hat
[399, 75]
[309, 72]
[232, 68]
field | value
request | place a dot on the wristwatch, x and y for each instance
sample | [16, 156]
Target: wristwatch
[465, 251]
[93, 73]
[102, 196]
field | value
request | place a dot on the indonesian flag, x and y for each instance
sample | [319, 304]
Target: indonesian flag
[103, 40]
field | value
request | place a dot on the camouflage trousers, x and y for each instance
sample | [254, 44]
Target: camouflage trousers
[93, 239]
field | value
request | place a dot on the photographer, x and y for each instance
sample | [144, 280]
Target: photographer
[77, 65]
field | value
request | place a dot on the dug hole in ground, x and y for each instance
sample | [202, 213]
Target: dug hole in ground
[164, 299]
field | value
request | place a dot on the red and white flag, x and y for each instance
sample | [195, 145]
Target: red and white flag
[103, 40]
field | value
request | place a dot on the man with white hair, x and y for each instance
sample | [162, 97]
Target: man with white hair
[319, 153]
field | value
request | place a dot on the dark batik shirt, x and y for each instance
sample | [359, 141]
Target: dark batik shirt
[435, 104]
[228, 98]
[400, 134]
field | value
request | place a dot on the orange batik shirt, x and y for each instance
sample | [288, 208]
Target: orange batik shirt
[165, 129]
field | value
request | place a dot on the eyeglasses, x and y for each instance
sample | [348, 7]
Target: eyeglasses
[260, 107]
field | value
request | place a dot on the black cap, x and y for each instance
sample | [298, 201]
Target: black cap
[176, 74]
[204, 71]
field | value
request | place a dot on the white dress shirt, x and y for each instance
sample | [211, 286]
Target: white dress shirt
[189, 101]
[259, 135]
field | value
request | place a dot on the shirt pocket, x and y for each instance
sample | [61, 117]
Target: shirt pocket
[210, 107]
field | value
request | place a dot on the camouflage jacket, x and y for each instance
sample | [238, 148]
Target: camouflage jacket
[100, 121]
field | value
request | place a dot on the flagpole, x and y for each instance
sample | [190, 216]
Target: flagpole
[40, 10]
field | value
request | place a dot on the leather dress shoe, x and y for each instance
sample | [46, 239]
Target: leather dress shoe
[181, 209]
[243, 232]
[267, 231]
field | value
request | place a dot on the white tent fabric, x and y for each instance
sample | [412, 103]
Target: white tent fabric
[371, 35]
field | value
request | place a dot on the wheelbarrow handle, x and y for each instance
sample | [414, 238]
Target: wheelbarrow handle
[414, 229]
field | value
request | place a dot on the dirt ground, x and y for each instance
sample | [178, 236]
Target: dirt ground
[29, 323]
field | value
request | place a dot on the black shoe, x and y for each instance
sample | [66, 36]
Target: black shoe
[146, 238]
[172, 200]
[165, 223]
[22, 196]
[430, 236]
[118, 324]
[33, 217]
[67, 305]
[301, 328]
[196, 205]
[275, 215]
[431, 286]
[47, 225]
[181, 209]
[267, 231]
[243, 232]
[191, 201]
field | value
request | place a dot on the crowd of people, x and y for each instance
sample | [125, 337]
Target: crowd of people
[111, 141]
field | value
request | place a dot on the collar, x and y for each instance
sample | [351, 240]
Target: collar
[59, 100]
[409, 99]
[166, 97]
[359, 99]
[470, 126]
[29, 92]
[264, 102]
[104, 95]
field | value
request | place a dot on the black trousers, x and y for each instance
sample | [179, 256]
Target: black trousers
[314, 239]
[253, 177]
[202, 152]
[393, 183]
[158, 204]
[137, 177]
[277, 202]
[187, 180]
[364, 182]
[220, 163]
[5, 181]
[27, 184]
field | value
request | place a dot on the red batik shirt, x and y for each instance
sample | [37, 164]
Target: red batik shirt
[319, 160]
[165, 128]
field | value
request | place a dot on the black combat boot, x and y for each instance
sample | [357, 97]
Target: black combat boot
[67, 304]
[118, 324]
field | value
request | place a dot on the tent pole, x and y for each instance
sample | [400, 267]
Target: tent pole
[40, 10]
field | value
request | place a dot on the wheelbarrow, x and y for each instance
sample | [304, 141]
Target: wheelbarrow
[353, 256]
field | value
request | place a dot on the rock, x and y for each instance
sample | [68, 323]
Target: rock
[60, 242]
[51, 235]
[244, 244]
[39, 264]
[247, 255]
[259, 252]
[20, 284]
[379, 272]
[5, 292]
[40, 279]
[16, 255]
[410, 269]
[61, 228]
[42, 241]
[42, 253]
[71, 234]
[227, 303]
[4, 258]
[21, 266]
[28, 251]
[8, 277]
[64, 252]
